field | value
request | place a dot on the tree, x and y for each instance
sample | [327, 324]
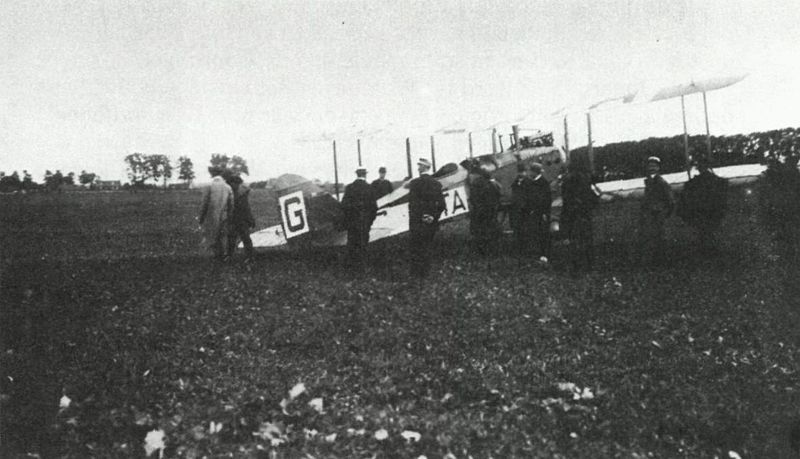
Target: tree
[221, 161]
[235, 164]
[10, 183]
[137, 168]
[158, 167]
[185, 169]
[53, 181]
[87, 178]
[48, 179]
[27, 181]
[70, 179]
[238, 165]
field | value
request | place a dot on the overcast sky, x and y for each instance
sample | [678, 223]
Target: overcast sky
[84, 83]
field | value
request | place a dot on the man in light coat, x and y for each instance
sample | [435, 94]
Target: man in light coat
[216, 213]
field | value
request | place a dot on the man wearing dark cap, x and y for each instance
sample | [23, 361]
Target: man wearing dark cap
[359, 208]
[425, 205]
[522, 210]
[657, 206]
[579, 200]
[381, 187]
[484, 202]
[703, 202]
[242, 220]
[542, 205]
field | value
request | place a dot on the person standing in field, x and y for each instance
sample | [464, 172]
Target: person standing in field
[381, 187]
[541, 207]
[703, 203]
[579, 200]
[242, 221]
[359, 208]
[484, 202]
[522, 210]
[656, 207]
[425, 206]
[215, 214]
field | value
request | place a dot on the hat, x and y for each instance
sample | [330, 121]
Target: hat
[424, 162]
[361, 172]
[536, 167]
[701, 160]
[382, 170]
[216, 170]
[654, 159]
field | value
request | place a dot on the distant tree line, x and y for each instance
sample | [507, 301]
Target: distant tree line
[157, 168]
[623, 160]
[52, 181]
[144, 171]
[614, 161]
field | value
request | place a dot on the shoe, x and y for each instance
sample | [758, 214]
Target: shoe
[543, 260]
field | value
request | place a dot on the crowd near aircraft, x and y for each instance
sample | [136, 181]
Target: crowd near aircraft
[309, 215]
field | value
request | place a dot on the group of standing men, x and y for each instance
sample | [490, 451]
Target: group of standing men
[702, 206]
[425, 206]
[529, 211]
[225, 215]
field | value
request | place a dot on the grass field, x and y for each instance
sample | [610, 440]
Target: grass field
[106, 300]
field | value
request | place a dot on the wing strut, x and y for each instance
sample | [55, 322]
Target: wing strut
[685, 138]
[590, 146]
[708, 132]
[433, 155]
[408, 158]
[335, 172]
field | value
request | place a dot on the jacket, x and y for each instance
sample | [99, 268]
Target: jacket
[425, 198]
[358, 205]
[216, 210]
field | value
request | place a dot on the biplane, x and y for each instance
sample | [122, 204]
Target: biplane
[310, 215]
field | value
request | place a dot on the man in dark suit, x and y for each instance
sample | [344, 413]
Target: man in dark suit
[579, 199]
[703, 203]
[542, 201]
[522, 210]
[242, 221]
[425, 205]
[359, 208]
[381, 187]
[484, 202]
[656, 207]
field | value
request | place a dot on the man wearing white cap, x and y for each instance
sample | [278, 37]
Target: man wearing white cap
[657, 206]
[425, 205]
[542, 206]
